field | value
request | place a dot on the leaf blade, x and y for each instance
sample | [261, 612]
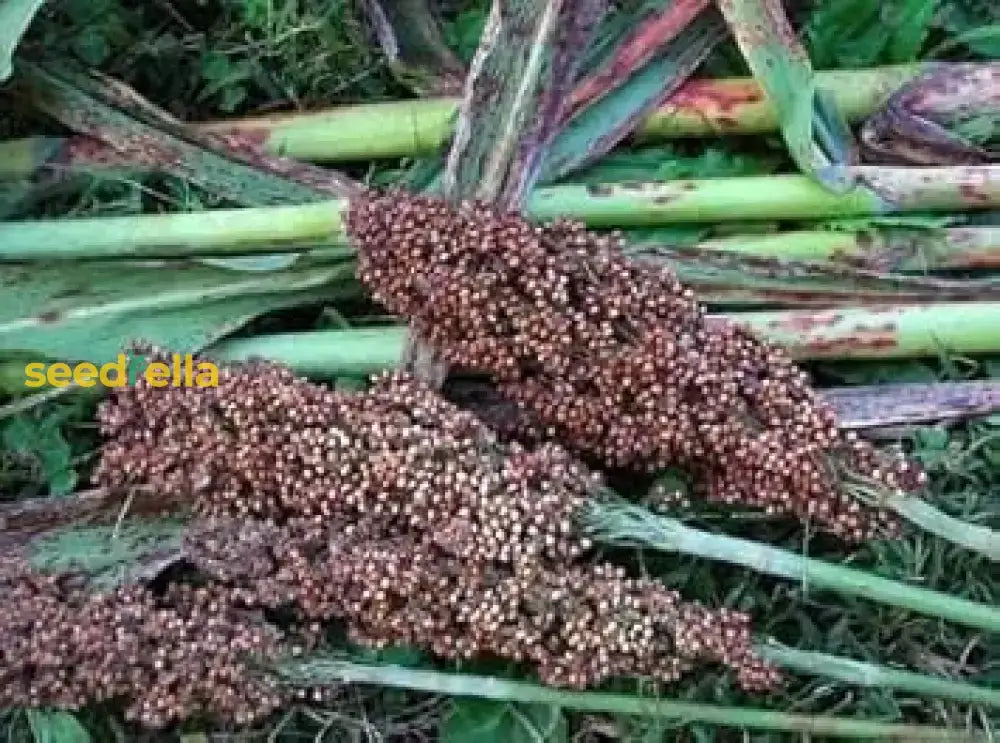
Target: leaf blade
[816, 135]
[15, 17]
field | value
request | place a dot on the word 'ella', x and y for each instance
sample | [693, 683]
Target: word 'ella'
[182, 371]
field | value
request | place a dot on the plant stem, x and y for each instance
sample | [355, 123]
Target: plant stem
[332, 671]
[880, 333]
[882, 190]
[363, 351]
[917, 511]
[629, 525]
[273, 229]
[874, 676]
[288, 228]
[886, 190]
[414, 128]
[323, 353]
[421, 127]
[842, 333]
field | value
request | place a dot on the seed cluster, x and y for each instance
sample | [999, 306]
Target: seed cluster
[618, 360]
[168, 657]
[405, 516]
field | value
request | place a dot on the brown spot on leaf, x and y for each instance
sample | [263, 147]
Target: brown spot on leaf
[715, 98]
[599, 189]
[807, 322]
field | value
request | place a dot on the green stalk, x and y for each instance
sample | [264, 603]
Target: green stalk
[883, 190]
[621, 205]
[881, 333]
[288, 228]
[979, 539]
[323, 671]
[874, 676]
[354, 352]
[361, 351]
[421, 127]
[842, 333]
[629, 525]
[738, 106]
[415, 128]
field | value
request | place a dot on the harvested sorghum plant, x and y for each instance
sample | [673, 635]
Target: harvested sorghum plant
[616, 359]
[165, 657]
[407, 518]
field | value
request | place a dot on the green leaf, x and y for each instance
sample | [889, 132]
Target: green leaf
[984, 40]
[462, 34]
[56, 726]
[864, 33]
[15, 15]
[815, 133]
[626, 94]
[91, 311]
[670, 163]
[44, 441]
[126, 123]
[974, 24]
[910, 25]
[482, 721]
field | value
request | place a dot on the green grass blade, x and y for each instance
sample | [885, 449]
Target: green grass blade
[56, 726]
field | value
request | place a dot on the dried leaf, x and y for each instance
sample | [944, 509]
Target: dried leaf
[950, 115]
[642, 72]
[131, 130]
[517, 96]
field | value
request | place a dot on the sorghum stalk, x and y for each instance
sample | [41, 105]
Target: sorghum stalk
[886, 191]
[332, 671]
[843, 333]
[875, 676]
[630, 525]
[421, 127]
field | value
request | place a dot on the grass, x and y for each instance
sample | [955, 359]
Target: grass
[239, 57]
